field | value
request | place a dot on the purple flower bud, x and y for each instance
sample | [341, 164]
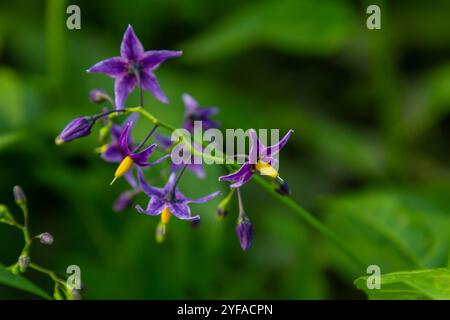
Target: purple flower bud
[244, 231]
[124, 201]
[24, 261]
[283, 188]
[19, 195]
[221, 213]
[97, 95]
[77, 128]
[46, 238]
[195, 223]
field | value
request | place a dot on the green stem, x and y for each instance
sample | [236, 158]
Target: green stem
[312, 221]
[48, 272]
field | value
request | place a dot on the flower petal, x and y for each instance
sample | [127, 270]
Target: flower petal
[113, 153]
[189, 102]
[113, 67]
[273, 150]
[157, 161]
[236, 176]
[170, 183]
[131, 48]
[243, 180]
[256, 147]
[148, 190]
[197, 169]
[155, 207]
[205, 198]
[141, 158]
[130, 179]
[181, 210]
[123, 139]
[122, 88]
[150, 83]
[152, 59]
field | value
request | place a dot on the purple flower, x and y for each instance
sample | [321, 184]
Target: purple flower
[260, 159]
[165, 143]
[169, 200]
[134, 66]
[196, 113]
[125, 200]
[133, 157]
[98, 95]
[77, 128]
[244, 231]
[19, 195]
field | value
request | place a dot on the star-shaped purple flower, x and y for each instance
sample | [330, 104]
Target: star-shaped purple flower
[134, 66]
[140, 158]
[196, 113]
[260, 159]
[169, 200]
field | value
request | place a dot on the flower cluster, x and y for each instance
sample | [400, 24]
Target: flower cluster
[135, 68]
[62, 288]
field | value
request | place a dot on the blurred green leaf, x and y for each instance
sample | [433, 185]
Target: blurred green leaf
[11, 106]
[417, 284]
[293, 26]
[391, 229]
[19, 282]
[429, 101]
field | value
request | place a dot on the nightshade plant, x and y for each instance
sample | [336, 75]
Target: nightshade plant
[134, 68]
[62, 288]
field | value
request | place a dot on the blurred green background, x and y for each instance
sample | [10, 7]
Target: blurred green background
[370, 154]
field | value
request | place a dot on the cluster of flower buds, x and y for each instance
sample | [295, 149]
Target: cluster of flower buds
[24, 261]
[135, 68]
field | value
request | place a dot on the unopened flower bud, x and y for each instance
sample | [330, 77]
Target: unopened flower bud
[244, 231]
[124, 201]
[98, 95]
[19, 195]
[160, 232]
[77, 128]
[283, 188]
[5, 215]
[24, 261]
[46, 238]
[195, 223]
[222, 208]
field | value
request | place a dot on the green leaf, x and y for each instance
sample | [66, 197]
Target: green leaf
[16, 281]
[416, 284]
[428, 102]
[293, 26]
[11, 104]
[394, 229]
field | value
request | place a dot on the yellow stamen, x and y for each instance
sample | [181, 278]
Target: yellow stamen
[123, 167]
[165, 216]
[266, 169]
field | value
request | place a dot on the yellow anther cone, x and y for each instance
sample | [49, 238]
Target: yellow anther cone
[266, 169]
[124, 166]
[165, 216]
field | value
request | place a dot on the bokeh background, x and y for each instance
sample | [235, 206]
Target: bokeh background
[370, 154]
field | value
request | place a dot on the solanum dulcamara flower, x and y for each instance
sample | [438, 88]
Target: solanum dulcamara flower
[134, 67]
[196, 113]
[260, 160]
[193, 113]
[140, 158]
[168, 201]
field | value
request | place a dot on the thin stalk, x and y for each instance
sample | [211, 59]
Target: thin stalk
[146, 138]
[312, 221]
